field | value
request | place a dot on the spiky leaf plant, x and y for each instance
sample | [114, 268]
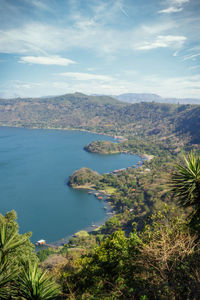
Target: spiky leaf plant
[37, 285]
[185, 185]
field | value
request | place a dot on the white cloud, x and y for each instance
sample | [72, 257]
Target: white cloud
[86, 76]
[175, 6]
[46, 60]
[179, 2]
[163, 41]
[170, 10]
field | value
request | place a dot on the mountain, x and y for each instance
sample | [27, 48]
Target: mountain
[102, 114]
[135, 98]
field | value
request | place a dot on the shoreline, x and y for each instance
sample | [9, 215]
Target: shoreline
[93, 227]
[89, 229]
[59, 129]
[109, 210]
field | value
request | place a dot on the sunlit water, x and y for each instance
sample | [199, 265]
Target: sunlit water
[34, 168]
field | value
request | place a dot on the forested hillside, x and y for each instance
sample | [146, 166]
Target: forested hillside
[102, 114]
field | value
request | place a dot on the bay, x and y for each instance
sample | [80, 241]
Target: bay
[34, 169]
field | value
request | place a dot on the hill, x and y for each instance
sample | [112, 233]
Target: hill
[102, 114]
[84, 178]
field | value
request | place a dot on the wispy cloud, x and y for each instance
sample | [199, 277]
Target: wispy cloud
[46, 60]
[179, 2]
[192, 56]
[170, 10]
[175, 6]
[82, 32]
[194, 67]
[122, 9]
[175, 53]
[164, 41]
[86, 76]
[180, 86]
[38, 4]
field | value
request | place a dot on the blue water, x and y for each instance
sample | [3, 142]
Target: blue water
[34, 168]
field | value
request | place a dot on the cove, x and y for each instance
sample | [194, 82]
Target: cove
[34, 168]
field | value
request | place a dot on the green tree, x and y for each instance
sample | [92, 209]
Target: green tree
[185, 185]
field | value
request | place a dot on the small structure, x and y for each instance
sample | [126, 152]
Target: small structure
[40, 243]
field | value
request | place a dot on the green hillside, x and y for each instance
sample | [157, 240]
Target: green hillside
[102, 114]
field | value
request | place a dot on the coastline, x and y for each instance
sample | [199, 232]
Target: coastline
[89, 228]
[60, 129]
[93, 227]
[105, 196]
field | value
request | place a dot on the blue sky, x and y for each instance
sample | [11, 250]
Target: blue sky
[53, 47]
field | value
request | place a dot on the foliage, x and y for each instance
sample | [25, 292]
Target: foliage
[44, 253]
[162, 262]
[16, 251]
[170, 257]
[36, 285]
[186, 187]
[84, 177]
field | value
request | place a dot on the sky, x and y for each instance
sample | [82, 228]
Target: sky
[55, 47]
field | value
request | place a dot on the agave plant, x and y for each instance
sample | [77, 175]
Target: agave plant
[36, 285]
[9, 241]
[185, 185]
[7, 277]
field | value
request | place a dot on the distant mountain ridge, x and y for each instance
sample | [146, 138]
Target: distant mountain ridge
[147, 97]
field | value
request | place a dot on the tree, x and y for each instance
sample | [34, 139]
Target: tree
[170, 258]
[185, 185]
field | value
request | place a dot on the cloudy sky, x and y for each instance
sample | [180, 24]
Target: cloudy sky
[52, 47]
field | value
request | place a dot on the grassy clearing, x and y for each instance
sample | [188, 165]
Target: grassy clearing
[81, 233]
[110, 190]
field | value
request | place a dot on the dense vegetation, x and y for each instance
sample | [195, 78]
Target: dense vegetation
[149, 249]
[84, 177]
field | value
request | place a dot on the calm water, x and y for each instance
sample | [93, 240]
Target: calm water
[34, 168]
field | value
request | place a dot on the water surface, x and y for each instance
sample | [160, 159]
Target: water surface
[34, 168]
